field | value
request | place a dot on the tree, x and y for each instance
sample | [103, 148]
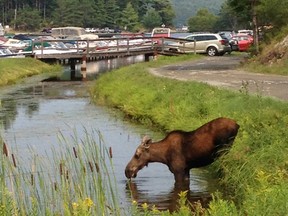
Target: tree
[165, 10]
[227, 19]
[129, 20]
[89, 15]
[261, 13]
[100, 14]
[28, 19]
[67, 13]
[203, 21]
[152, 19]
[273, 13]
[243, 12]
[112, 12]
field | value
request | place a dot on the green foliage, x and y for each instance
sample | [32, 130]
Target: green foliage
[28, 19]
[82, 13]
[185, 9]
[273, 13]
[112, 13]
[77, 181]
[272, 58]
[204, 21]
[100, 14]
[227, 19]
[67, 13]
[130, 19]
[12, 70]
[254, 172]
[152, 19]
[269, 13]
[165, 10]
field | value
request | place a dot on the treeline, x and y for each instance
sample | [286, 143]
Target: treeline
[138, 15]
[185, 9]
[244, 14]
[132, 15]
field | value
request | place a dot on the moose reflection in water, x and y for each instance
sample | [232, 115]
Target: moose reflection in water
[181, 150]
[166, 201]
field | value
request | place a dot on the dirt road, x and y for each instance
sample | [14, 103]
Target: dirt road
[222, 71]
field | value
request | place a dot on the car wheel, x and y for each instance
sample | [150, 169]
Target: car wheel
[212, 51]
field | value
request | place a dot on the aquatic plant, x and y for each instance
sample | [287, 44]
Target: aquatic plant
[78, 180]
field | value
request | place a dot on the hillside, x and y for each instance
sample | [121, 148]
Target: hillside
[187, 8]
[275, 53]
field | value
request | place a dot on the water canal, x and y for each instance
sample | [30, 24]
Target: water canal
[34, 113]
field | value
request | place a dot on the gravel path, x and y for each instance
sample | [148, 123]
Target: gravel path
[222, 71]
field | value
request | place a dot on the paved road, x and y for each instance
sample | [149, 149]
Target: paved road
[222, 71]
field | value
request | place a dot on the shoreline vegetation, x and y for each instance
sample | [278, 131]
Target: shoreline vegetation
[13, 70]
[254, 173]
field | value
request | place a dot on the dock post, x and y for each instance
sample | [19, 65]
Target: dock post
[83, 67]
[72, 68]
[147, 57]
[155, 55]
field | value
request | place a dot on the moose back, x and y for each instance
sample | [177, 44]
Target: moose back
[181, 150]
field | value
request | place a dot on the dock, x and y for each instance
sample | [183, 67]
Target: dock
[82, 51]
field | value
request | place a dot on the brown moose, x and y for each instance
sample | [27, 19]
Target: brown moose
[181, 150]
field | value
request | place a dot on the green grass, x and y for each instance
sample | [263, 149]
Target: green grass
[14, 69]
[279, 68]
[254, 173]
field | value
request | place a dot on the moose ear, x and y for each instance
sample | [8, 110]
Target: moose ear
[146, 140]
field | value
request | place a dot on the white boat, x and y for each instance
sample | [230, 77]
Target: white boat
[72, 33]
[7, 53]
[48, 48]
[161, 32]
[15, 45]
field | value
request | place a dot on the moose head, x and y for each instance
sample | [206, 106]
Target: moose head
[140, 159]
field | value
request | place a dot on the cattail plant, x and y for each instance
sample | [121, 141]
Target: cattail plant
[77, 179]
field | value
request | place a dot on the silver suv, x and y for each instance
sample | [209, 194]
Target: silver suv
[211, 44]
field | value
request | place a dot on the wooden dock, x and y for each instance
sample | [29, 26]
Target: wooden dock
[91, 50]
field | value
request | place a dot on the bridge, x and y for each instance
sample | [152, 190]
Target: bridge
[81, 51]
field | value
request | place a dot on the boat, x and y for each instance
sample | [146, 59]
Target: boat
[15, 45]
[46, 48]
[161, 32]
[158, 33]
[7, 53]
[72, 33]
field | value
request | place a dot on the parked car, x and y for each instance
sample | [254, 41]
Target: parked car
[241, 42]
[245, 31]
[211, 44]
[226, 34]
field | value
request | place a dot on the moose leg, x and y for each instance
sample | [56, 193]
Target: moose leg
[182, 180]
[182, 175]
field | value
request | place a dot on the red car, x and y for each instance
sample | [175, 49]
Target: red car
[241, 42]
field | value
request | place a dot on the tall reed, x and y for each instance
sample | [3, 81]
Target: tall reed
[77, 179]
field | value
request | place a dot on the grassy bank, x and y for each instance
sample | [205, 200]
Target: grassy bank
[254, 173]
[14, 69]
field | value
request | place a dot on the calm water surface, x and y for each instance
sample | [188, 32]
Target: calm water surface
[34, 115]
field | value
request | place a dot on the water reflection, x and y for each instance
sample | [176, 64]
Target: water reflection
[93, 69]
[166, 195]
[166, 201]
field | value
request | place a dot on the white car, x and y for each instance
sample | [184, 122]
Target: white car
[208, 43]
